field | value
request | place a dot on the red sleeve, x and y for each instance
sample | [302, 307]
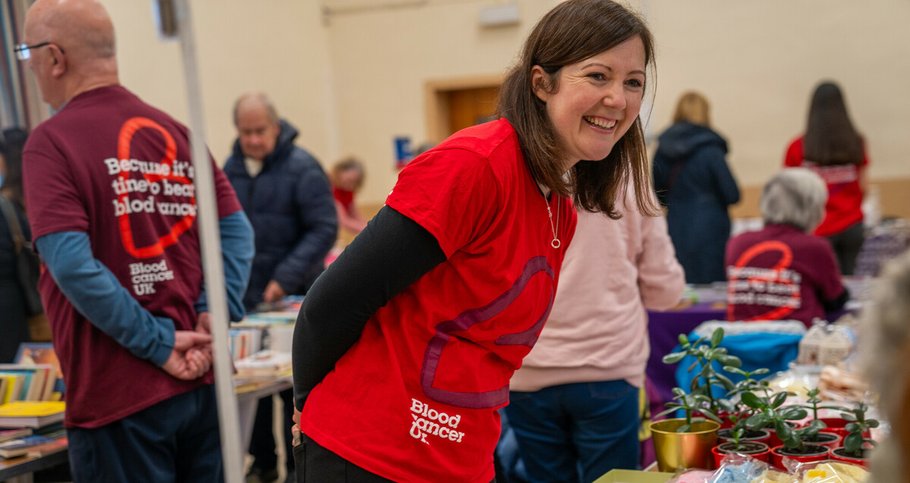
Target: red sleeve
[794, 157]
[451, 193]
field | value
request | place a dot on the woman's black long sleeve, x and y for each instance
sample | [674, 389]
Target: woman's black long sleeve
[390, 254]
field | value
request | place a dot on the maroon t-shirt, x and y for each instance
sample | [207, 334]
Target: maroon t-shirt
[778, 273]
[119, 170]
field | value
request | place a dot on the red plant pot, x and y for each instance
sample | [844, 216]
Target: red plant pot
[835, 426]
[828, 440]
[753, 449]
[838, 426]
[757, 435]
[835, 454]
[725, 419]
[779, 453]
[773, 440]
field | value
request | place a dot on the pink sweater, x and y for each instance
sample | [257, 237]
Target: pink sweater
[598, 328]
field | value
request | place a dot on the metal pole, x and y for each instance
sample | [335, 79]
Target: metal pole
[207, 217]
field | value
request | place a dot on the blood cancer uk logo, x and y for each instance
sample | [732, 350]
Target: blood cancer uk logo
[162, 187]
[428, 421]
[776, 287]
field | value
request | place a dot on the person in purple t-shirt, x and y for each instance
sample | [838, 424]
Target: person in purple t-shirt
[781, 271]
[111, 201]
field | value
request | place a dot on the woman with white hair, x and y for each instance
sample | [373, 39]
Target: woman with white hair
[782, 271]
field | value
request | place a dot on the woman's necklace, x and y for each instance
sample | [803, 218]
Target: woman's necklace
[555, 243]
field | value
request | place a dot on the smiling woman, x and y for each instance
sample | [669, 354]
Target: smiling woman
[464, 258]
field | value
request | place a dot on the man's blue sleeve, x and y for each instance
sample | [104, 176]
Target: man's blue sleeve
[97, 294]
[237, 250]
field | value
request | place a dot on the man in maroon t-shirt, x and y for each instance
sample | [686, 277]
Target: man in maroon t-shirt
[111, 201]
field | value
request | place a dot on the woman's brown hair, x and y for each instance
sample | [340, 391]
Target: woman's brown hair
[573, 31]
[830, 137]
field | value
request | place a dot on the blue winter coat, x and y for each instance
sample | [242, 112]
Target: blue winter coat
[693, 181]
[291, 208]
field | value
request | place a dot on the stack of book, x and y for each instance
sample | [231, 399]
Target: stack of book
[20, 442]
[31, 414]
[264, 365]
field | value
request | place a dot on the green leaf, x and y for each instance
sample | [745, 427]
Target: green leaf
[793, 413]
[673, 357]
[730, 361]
[785, 433]
[725, 382]
[683, 340]
[717, 336]
[778, 399]
[757, 421]
[853, 443]
[751, 400]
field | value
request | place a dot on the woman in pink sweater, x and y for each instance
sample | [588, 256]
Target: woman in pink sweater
[574, 402]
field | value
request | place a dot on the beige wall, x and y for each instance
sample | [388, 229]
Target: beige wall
[277, 46]
[353, 81]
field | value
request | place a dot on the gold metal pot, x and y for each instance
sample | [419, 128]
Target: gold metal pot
[691, 449]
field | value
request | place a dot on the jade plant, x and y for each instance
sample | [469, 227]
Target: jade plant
[771, 412]
[813, 403]
[857, 427]
[707, 355]
[689, 404]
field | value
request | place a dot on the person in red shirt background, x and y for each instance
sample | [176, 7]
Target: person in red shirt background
[347, 177]
[832, 147]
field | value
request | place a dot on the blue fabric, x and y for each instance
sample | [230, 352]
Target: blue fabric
[176, 440]
[292, 210]
[237, 253]
[576, 432]
[756, 350]
[509, 460]
[97, 294]
[692, 178]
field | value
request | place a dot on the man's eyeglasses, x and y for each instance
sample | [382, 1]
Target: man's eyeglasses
[24, 52]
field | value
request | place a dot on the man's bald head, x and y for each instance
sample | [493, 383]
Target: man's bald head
[255, 101]
[82, 27]
[257, 124]
[80, 54]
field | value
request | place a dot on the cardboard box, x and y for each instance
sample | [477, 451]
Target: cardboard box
[630, 476]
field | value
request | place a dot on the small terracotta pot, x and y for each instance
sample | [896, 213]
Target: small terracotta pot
[837, 455]
[754, 449]
[814, 453]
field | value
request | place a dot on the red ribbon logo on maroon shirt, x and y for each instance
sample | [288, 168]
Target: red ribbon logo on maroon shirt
[124, 144]
[786, 257]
